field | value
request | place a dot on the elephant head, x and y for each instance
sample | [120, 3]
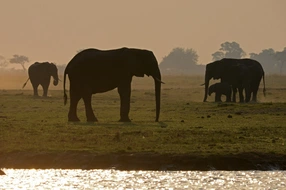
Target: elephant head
[213, 70]
[144, 62]
[211, 89]
[53, 71]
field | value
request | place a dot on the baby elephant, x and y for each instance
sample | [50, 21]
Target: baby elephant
[220, 89]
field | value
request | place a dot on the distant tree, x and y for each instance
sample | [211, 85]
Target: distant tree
[3, 62]
[181, 61]
[232, 50]
[180, 58]
[19, 59]
[218, 55]
[267, 58]
[281, 58]
[229, 50]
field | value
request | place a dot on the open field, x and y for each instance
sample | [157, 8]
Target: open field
[34, 132]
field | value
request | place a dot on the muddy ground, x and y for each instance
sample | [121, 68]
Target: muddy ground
[142, 161]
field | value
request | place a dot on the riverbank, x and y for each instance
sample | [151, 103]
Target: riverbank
[191, 135]
[142, 161]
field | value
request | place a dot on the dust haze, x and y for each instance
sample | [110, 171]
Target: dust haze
[55, 31]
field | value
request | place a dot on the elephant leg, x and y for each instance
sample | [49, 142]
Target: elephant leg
[124, 93]
[35, 88]
[247, 94]
[90, 117]
[234, 94]
[75, 96]
[254, 90]
[45, 89]
[218, 97]
[228, 96]
[254, 96]
[241, 97]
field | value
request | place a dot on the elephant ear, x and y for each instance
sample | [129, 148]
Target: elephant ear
[135, 62]
[213, 70]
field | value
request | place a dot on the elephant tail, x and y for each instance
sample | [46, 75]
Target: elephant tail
[264, 90]
[25, 83]
[65, 94]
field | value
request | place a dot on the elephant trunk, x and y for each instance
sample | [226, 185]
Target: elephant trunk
[56, 80]
[207, 80]
[157, 80]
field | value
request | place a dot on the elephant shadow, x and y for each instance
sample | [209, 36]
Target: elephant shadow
[123, 124]
[42, 97]
[34, 97]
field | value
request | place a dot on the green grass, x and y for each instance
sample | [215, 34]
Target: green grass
[187, 125]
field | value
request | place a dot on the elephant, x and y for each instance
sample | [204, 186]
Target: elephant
[94, 71]
[239, 77]
[220, 89]
[240, 73]
[40, 74]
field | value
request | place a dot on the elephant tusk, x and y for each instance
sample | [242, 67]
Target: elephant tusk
[159, 80]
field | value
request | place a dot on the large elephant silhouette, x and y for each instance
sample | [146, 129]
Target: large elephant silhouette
[40, 74]
[240, 73]
[94, 71]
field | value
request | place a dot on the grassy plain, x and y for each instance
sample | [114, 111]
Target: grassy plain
[187, 125]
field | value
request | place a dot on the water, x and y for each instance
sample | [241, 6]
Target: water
[115, 179]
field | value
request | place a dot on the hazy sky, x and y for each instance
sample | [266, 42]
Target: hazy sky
[54, 30]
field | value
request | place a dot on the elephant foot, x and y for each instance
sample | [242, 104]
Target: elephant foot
[73, 119]
[125, 120]
[92, 120]
[90, 117]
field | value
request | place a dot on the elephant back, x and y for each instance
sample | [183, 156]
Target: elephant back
[40, 69]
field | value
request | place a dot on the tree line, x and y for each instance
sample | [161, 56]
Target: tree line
[185, 60]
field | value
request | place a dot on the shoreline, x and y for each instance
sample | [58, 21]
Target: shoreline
[142, 161]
